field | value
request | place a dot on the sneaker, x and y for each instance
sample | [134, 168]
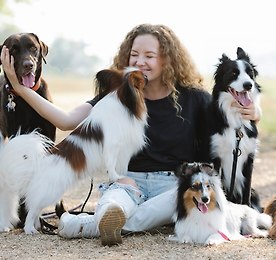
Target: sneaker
[77, 226]
[110, 225]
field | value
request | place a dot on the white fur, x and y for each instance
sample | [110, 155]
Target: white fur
[224, 144]
[227, 219]
[27, 169]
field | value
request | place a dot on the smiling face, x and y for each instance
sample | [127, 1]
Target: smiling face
[145, 55]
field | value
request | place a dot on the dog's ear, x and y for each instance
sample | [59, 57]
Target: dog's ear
[207, 168]
[241, 55]
[43, 47]
[106, 81]
[185, 169]
[224, 58]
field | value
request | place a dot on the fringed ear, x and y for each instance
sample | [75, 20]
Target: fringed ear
[43, 47]
[107, 81]
[137, 79]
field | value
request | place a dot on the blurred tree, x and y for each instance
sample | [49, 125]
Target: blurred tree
[67, 56]
[7, 27]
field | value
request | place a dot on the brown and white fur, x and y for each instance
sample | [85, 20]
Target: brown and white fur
[270, 209]
[204, 216]
[103, 143]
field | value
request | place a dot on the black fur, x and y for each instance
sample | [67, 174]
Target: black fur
[226, 74]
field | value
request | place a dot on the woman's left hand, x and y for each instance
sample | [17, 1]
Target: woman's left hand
[250, 112]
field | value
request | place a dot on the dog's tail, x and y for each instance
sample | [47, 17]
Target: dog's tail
[21, 155]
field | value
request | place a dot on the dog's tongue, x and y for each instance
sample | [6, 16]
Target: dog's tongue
[28, 80]
[242, 97]
[202, 207]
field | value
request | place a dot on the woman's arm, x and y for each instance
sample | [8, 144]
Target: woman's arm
[58, 117]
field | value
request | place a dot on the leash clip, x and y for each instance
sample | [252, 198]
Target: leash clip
[239, 134]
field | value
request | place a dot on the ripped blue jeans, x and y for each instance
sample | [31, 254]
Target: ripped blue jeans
[153, 205]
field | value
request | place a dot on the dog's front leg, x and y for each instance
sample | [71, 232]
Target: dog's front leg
[111, 163]
[32, 222]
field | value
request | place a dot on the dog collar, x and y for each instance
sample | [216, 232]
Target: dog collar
[34, 88]
[37, 85]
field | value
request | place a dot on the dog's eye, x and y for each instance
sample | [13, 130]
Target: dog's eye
[13, 49]
[196, 186]
[33, 48]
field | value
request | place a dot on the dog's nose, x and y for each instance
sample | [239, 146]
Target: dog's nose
[28, 65]
[247, 85]
[205, 199]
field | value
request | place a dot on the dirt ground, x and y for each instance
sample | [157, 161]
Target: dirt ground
[149, 245]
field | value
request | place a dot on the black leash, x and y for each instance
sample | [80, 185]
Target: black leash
[236, 154]
[49, 229]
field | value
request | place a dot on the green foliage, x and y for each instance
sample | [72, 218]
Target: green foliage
[268, 104]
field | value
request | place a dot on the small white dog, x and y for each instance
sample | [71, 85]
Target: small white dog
[203, 214]
[104, 142]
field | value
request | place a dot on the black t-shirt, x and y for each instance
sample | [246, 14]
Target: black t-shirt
[173, 137]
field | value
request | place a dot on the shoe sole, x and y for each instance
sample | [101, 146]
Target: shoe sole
[110, 226]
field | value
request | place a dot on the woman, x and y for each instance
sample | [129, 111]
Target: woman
[176, 101]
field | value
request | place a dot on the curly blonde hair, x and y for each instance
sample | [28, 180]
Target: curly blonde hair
[178, 68]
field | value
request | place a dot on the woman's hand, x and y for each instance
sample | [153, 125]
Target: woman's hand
[8, 67]
[250, 112]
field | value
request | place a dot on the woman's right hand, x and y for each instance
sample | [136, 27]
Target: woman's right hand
[8, 66]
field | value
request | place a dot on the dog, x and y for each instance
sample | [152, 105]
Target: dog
[270, 209]
[15, 113]
[204, 215]
[103, 143]
[233, 140]
[28, 52]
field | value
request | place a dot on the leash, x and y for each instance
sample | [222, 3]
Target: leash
[236, 154]
[49, 229]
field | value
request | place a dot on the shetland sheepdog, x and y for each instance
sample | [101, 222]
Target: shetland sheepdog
[204, 216]
[233, 140]
[103, 143]
[270, 209]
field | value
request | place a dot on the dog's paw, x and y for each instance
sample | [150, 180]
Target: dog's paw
[30, 230]
[4, 229]
[215, 239]
[183, 239]
[260, 233]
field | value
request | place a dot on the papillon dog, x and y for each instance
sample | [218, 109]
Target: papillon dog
[31, 166]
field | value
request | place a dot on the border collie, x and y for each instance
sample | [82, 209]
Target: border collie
[103, 143]
[204, 216]
[234, 139]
